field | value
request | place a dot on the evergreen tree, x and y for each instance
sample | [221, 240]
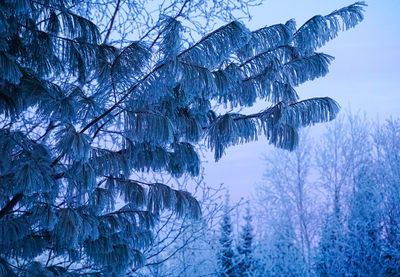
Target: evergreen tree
[80, 116]
[364, 236]
[226, 254]
[245, 258]
[387, 172]
[331, 258]
[284, 254]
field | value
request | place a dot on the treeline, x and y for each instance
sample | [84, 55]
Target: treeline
[329, 208]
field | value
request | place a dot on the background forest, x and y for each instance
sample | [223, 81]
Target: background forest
[329, 208]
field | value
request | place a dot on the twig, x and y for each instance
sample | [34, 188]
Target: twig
[11, 204]
[112, 22]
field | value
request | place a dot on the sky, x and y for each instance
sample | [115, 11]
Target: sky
[364, 77]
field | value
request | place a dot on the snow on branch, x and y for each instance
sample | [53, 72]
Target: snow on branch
[320, 29]
[217, 46]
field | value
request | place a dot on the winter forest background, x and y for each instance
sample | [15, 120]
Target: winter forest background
[199, 138]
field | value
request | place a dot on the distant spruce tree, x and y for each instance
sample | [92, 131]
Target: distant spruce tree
[226, 254]
[283, 254]
[80, 115]
[245, 259]
[364, 238]
[331, 257]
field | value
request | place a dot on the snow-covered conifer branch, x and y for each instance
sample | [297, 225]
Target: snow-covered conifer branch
[320, 29]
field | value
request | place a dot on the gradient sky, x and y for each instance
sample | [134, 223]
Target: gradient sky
[364, 76]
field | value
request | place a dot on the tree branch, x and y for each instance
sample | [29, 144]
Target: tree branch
[175, 17]
[112, 22]
[11, 204]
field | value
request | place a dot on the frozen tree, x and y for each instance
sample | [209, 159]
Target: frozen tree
[387, 172]
[226, 254]
[356, 241]
[82, 114]
[286, 191]
[282, 252]
[245, 260]
[343, 153]
[364, 235]
[331, 257]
